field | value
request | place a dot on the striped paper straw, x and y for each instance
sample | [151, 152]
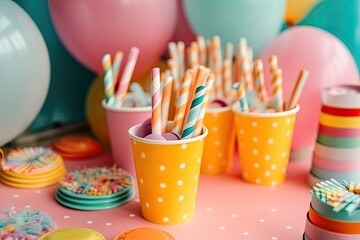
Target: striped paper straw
[259, 81]
[202, 50]
[193, 55]
[240, 93]
[116, 66]
[229, 51]
[173, 51]
[174, 72]
[210, 78]
[108, 79]
[216, 48]
[155, 101]
[181, 59]
[227, 79]
[273, 64]
[194, 112]
[165, 102]
[182, 100]
[295, 95]
[246, 74]
[127, 74]
[276, 85]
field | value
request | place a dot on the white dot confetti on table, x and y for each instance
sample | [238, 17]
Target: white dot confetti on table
[66, 217]
[89, 222]
[108, 224]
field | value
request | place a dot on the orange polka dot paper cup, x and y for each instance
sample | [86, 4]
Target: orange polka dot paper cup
[264, 142]
[167, 175]
[219, 144]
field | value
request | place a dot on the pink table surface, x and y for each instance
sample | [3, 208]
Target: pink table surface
[227, 207]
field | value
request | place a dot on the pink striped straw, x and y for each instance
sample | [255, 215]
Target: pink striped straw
[127, 74]
[155, 101]
[116, 66]
[276, 85]
[182, 100]
[165, 102]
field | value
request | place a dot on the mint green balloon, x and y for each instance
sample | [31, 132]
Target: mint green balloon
[256, 20]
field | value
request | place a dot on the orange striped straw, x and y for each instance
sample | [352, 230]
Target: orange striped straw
[193, 55]
[181, 59]
[116, 66]
[276, 84]
[216, 48]
[259, 81]
[182, 100]
[108, 79]
[229, 51]
[296, 93]
[273, 64]
[165, 102]
[210, 78]
[202, 49]
[246, 74]
[240, 93]
[155, 101]
[127, 74]
[227, 72]
[174, 72]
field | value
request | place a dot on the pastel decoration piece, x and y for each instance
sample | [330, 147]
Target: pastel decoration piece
[95, 188]
[144, 129]
[326, 174]
[171, 136]
[339, 132]
[343, 96]
[339, 154]
[73, 233]
[155, 136]
[77, 147]
[335, 165]
[337, 142]
[314, 232]
[27, 224]
[144, 233]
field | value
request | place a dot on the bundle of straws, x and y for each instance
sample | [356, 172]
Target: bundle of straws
[191, 104]
[115, 89]
[237, 76]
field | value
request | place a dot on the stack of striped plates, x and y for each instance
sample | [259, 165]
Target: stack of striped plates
[32, 167]
[337, 150]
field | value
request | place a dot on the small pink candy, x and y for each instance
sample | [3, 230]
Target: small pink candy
[170, 136]
[154, 136]
[144, 129]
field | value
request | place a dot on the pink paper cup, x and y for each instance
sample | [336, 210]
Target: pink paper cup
[119, 121]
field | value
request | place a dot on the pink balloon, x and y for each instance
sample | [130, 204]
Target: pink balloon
[183, 31]
[91, 28]
[330, 63]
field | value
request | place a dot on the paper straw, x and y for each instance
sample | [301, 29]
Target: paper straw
[127, 74]
[202, 50]
[155, 101]
[193, 55]
[210, 78]
[116, 66]
[227, 79]
[181, 59]
[194, 112]
[216, 48]
[246, 74]
[108, 79]
[182, 102]
[300, 83]
[229, 51]
[173, 51]
[276, 84]
[165, 102]
[273, 65]
[240, 92]
[174, 72]
[259, 81]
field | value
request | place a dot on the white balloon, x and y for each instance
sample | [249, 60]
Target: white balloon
[24, 71]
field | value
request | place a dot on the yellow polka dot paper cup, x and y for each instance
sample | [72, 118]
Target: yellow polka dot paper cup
[167, 175]
[264, 142]
[219, 144]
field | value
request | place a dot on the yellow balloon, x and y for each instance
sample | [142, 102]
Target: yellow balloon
[95, 113]
[297, 10]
